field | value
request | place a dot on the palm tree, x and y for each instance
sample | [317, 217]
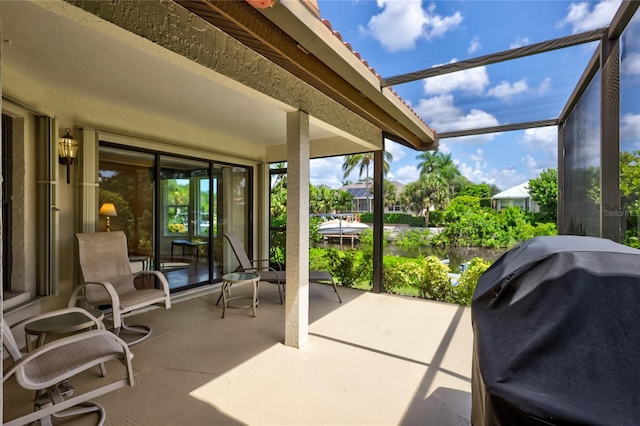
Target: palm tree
[321, 199]
[389, 193]
[428, 191]
[343, 201]
[363, 161]
[427, 161]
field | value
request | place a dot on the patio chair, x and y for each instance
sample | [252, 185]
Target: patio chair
[47, 369]
[108, 280]
[268, 273]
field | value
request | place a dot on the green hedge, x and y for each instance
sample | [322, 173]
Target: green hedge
[424, 277]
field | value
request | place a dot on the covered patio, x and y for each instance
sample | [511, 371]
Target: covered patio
[171, 84]
[374, 359]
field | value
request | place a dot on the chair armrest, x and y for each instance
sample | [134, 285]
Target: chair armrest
[113, 295]
[259, 268]
[21, 363]
[264, 268]
[163, 282]
[269, 260]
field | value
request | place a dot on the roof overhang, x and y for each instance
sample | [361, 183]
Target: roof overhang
[291, 35]
[153, 89]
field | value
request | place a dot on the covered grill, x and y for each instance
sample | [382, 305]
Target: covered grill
[557, 335]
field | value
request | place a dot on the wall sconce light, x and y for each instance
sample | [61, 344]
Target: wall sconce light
[68, 150]
[108, 210]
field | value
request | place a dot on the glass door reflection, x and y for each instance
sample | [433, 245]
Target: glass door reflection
[185, 191]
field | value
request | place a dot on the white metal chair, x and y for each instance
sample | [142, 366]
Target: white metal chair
[270, 274]
[108, 280]
[49, 366]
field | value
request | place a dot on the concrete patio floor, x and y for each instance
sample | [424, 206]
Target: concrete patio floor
[375, 359]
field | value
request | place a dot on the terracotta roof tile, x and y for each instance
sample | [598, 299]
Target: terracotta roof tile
[357, 55]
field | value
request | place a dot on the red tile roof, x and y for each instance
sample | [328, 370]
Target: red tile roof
[348, 45]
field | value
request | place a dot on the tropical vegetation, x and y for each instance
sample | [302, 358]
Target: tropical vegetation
[462, 211]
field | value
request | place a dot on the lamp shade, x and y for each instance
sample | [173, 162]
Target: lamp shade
[108, 209]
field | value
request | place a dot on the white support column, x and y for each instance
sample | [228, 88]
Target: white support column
[296, 317]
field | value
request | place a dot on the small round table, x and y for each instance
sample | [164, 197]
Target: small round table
[61, 324]
[239, 278]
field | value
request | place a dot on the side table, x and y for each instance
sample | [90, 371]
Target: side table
[239, 278]
[62, 324]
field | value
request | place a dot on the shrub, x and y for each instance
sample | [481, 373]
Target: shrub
[463, 292]
[434, 283]
[542, 229]
[317, 260]
[436, 218]
[414, 238]
[366, 217]
[348, 266]
[397, 219]
[399, 272]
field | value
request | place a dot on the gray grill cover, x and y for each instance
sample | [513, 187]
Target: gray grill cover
[556, 325]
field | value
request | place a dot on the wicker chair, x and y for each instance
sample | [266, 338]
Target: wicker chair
[268, 273]
[109, 281]
[47, 368]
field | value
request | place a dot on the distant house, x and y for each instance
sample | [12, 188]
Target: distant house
[517, 196]
[363, 198]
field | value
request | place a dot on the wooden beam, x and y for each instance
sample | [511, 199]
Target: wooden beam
[519, 52]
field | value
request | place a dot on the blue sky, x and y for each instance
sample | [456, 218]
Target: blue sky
[401, 36]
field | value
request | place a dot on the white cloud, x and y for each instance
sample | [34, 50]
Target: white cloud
[532, 165]
[473, 80]
[541, 138]
[506, 90]
[444, 148]
[630, 128]
[437, 25]
[478, 156]
[544, 142]
[630, 64]
[406, 174]
[327, 171]
[475, 45]
[519, 42]
[582, 18]
[397, 150]
[443, 115]
[545, 85]
[402, 23]
[503, 178]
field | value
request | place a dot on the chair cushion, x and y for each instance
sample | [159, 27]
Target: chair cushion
[97, 295]
[136, 297]
[66, 361]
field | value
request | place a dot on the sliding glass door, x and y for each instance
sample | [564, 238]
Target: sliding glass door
[185, 198]
[232, 207]
[126, 181]
[174, 211]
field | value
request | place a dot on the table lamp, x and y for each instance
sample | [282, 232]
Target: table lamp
[108, 210]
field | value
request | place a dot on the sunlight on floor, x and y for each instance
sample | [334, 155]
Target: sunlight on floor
[347, 375]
